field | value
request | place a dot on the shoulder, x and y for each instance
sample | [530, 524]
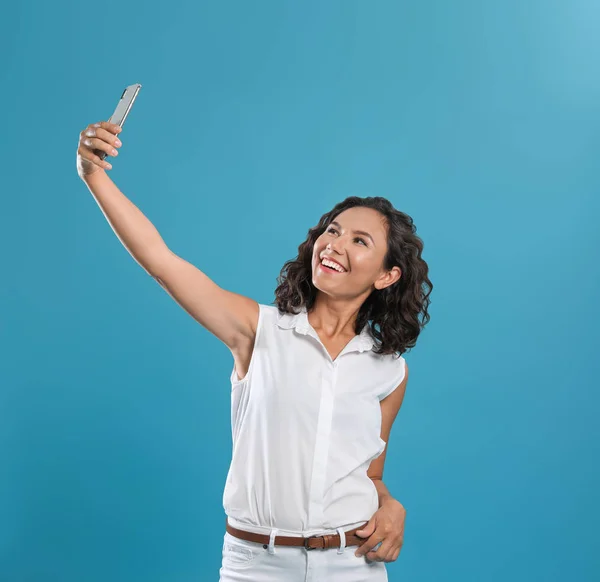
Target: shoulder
[268, 311]
[270, 320]
[396, 375]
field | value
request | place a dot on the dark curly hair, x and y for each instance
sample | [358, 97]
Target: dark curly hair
[394, 311]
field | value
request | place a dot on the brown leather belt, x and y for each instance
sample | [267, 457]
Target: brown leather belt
[322, 542]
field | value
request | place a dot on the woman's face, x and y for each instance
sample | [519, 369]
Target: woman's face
[360, 254]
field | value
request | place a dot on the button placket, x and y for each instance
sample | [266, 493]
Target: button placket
[321, 451]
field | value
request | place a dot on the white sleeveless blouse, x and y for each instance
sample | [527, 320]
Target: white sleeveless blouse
[305, 429]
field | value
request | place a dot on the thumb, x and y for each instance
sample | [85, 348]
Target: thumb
[367, 530]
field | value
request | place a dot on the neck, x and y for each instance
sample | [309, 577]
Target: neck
[334, 319]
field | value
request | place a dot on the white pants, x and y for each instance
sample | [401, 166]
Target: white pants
[245, 561]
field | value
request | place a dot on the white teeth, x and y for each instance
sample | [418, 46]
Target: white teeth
[333, 265]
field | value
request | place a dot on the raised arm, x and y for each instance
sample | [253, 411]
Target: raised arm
[231, 317]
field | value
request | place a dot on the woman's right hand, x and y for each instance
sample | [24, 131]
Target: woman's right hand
[96, 136]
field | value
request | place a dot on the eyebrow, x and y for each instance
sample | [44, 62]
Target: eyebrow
[354, 231]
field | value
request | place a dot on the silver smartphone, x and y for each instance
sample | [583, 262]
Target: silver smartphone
[122, 110]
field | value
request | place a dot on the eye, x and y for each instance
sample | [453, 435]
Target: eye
[332, 229]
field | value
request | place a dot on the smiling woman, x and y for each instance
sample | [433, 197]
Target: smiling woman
[321, 383]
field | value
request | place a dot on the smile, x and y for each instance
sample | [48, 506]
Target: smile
[330, 270]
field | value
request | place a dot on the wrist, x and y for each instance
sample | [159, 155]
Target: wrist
[89, 179]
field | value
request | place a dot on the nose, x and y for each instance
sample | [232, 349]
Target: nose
[337, 246]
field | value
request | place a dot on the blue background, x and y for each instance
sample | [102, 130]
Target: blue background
[479, 119]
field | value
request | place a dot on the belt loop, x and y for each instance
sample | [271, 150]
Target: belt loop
[342, 540]
[272, 541]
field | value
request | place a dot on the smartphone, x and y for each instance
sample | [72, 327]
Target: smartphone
[122, 110]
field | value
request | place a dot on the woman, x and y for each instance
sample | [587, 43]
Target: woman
[317, 382]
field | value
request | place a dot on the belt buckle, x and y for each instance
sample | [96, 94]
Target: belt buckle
[306, 542]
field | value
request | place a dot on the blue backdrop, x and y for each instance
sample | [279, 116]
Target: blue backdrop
[479, 119]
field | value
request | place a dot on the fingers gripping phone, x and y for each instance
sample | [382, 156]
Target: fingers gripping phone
[122, 110]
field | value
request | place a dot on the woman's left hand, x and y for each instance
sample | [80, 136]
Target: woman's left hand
[386, 526]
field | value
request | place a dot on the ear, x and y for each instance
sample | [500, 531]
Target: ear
[388, 278]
